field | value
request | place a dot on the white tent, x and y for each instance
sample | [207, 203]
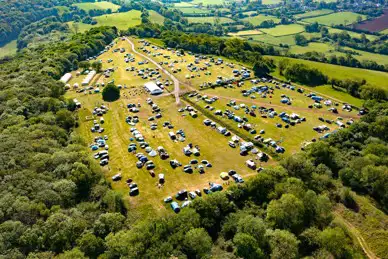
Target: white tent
[152, 88]
[65, 78]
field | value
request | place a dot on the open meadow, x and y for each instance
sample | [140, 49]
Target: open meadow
[121, 20]
[210, 19]
[8, 49]
[281, 30]
[313, 13]
[344, 18]
[257, 20]
[103, 5]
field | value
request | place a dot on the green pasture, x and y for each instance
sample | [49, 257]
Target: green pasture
[193, 10]
[372, 77]
[245, 33]
[8, 49]
[121, 20]
[257, 20]
[269, 2]
[313, 13]
[211, 20]
[353, 34]
[344, 18]
[281, 30]
[269, 39]
[103, 5]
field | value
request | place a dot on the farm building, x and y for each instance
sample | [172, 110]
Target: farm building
[152, 88]
[89, 77]
[65, 78]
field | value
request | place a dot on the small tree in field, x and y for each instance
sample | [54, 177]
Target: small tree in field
[111, 93]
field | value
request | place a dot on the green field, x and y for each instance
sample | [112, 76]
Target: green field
[353, 34]
[313, 13]
[372, 77]
[268, 2]
[282, 30]
[156, 17]
[121, 20]
[344, 18]
[193, 10]
[8, 49]
[212, 20]
[183, 4]
[268, 39]
[245, 33]
[209, 2]
[363, 55]
[257, 20]
[103, 5]
[384, 31]
[62, 9]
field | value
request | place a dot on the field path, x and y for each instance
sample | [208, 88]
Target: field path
[174, 79]
[368, 252]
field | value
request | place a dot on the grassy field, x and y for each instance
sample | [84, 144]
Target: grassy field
[384, 31]
[268, 39]
[376, 78]
[344, 18]
[352, 34]
[8, 49]
[369, 222]
[268, 2]
[282, 30]
[193, 10]
[363, 55]
[313, 13]
[245, 33]
[183, 4]
[210, 141]
[209, 2]
[121, 20]
[212, 20]
[103, 5]
[156, 17]
[257, 20]
[315, 46]
[62, 9]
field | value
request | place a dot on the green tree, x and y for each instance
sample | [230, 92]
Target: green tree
[84, 65]
[65, 119]
[108, 223]
[334, 240]
[300, 40]
[283, 244]
[97, 65]
[110, 93]
[72, 254]
[286, 213]
[246, 246]
[260, 68]
[197, 243]
[91, 245]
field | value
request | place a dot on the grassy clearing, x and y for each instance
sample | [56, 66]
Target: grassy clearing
[344, 18]
[268, 2]
[8, 49]
[193, 10]
[370, 222]
[257, 20]
[282, 30]
[209, 2]
[62, 9]
[353, 34]
[213, 145]
[156, 17]
[384, 31]
[103, 5]
[183, 4]
[376, 78]
[268, 39]
[315, 46]
[313, 13]
[211, 20]
[121, 20]
[363, 55]
[245, 33]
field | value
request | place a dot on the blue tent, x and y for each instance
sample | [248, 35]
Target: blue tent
[175, 207]
[94, 147]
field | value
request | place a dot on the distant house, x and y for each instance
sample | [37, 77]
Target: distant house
[152, 88]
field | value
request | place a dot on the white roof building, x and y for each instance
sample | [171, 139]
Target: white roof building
[152, 88]
[65, 78]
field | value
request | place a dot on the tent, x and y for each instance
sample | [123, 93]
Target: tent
[224, 176]
[175, 207]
